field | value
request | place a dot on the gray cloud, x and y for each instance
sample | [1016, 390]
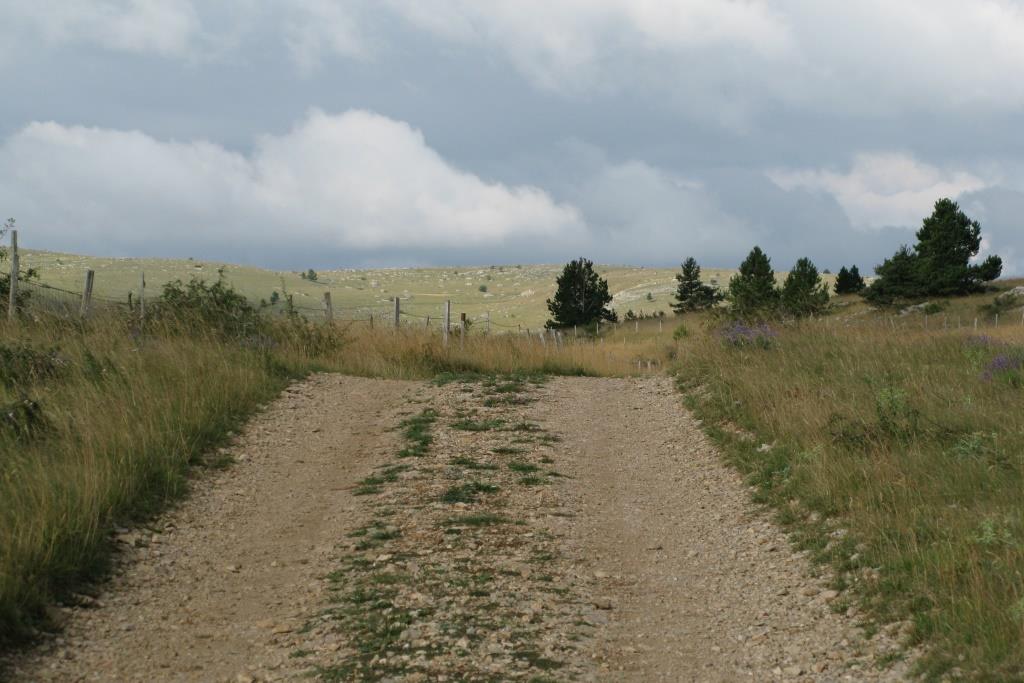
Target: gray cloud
[628, 131]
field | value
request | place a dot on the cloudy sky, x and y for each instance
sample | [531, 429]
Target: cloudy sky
[320, 133]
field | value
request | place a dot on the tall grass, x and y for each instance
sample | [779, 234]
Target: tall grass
[102, 422]
[417, 354]
[113, 428]
[899, 458]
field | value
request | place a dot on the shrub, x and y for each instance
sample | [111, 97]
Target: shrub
[21, 365]
[213, 307]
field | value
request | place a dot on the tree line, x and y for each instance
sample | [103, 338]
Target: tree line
[938, 265]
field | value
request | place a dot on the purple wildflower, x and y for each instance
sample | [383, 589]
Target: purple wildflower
[739, 333]
[1002, 365]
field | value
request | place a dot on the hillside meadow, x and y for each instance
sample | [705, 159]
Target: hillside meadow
[513, 295]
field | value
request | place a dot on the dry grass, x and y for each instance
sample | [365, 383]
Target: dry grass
[115, 420]
[910, 455]
[419, 354]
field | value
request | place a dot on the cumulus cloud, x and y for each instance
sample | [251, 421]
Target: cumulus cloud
[883, 189]
[356, 181]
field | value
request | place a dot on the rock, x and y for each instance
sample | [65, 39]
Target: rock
[810, 591]
[603, 603]
[829, 595]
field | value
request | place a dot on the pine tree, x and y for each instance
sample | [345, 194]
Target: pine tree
[803, 292]
[897, 279]
[946, 243]
[691, 293]
[940, 262]
[849, 281]
[752, 290]
[581, 297]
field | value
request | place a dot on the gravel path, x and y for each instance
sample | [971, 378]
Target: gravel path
[575, 529]
[703, 586]
[215, 592]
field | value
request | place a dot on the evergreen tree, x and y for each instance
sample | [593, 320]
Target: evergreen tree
[581, 297]
[946, 243]
[691, 293]
[803, 292]
[940, 263]
[897, 278]
[849, 281]
[753, 290]
[311, 275]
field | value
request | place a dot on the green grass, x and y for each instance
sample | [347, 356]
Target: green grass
[416, 432]
[117, 428]
[471, 464]
[467, 493]
[900, 440]
[470, 425]
[524, 467]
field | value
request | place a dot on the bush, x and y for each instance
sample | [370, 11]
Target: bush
[216, 308]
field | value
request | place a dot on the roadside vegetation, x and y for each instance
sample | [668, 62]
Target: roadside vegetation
[897, 459]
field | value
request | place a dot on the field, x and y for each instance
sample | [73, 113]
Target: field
[887, 442]
[515, 294]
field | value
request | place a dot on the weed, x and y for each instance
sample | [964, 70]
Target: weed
[507, 450]
[467, 425]
[524, 467]
[470, 464]
[466, 493]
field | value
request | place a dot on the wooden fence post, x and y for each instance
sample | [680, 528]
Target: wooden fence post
[328, 308]
[428, 323]
[87, 292]
[142, 297]
[488, 322]
[447, 319]
[398, 311]
[462, 332]
[371, 320]
[12, 307]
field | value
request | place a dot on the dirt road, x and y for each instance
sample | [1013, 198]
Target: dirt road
[573, 529]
